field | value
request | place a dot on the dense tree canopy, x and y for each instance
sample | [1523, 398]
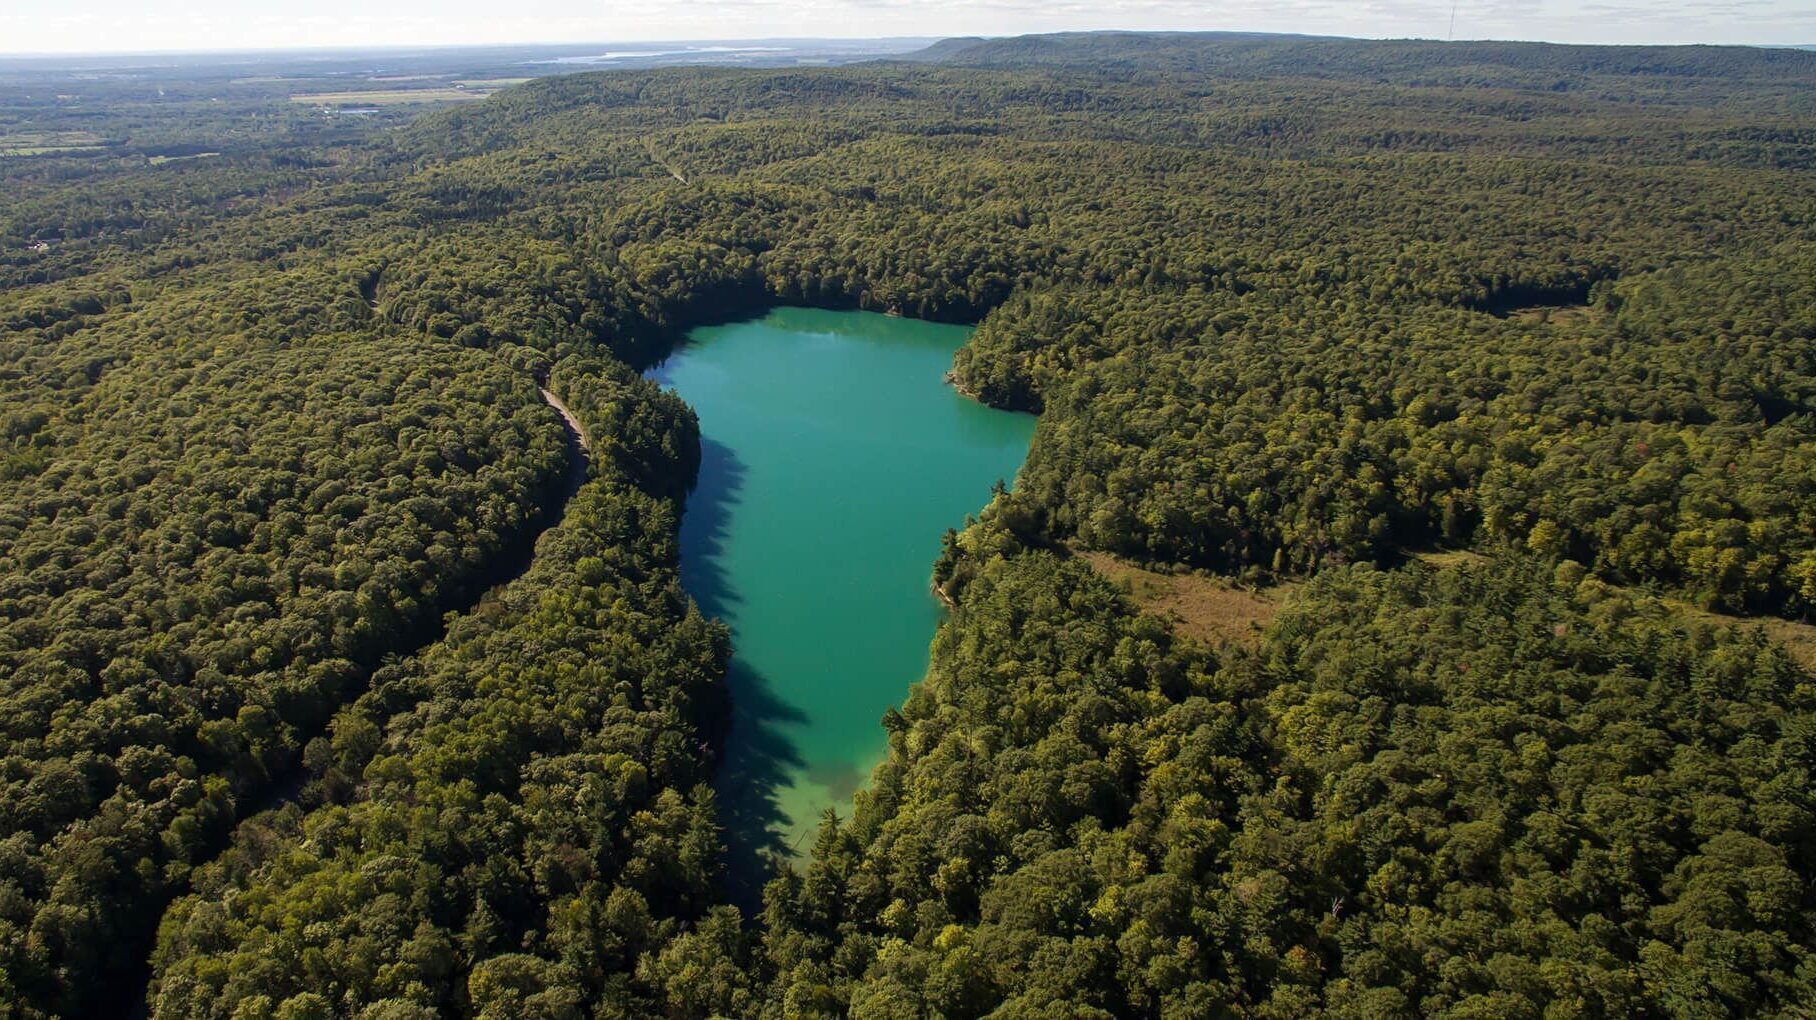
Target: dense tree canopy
[319, 692]
[513, 816]
[1497, 790]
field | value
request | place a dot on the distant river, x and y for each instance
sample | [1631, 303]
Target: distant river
[834, 456]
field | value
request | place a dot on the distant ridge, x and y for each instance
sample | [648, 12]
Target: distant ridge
[946, 48]
[1070, 47]
[1253, 54]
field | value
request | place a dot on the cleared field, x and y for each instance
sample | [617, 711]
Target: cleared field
[1557, 315]
[1450, 558]
[38, 143]
[1203, 607]
[1212, 609]
[390, 97]
[490, 83]
[1797, 638]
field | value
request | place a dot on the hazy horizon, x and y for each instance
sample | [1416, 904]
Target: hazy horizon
[116, 27]
[753, 41]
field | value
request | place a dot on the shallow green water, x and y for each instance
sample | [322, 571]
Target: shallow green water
[834, 456]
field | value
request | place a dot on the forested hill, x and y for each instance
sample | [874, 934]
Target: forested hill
[269, 419]
[1412, 62]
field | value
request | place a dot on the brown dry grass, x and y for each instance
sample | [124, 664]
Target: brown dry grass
[1213, 610]
[1797, 638]
[1207, 608]
[1557, 315]
[1449, 558]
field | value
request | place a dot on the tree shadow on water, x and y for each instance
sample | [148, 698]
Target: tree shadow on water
[759, 758]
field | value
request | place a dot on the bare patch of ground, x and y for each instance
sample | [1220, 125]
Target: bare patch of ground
[1216, 611]
[1449, 558]
[1201, 606]
[1556, 315]
[1797, 638]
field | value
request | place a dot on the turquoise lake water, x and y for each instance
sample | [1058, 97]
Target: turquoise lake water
[834, 457]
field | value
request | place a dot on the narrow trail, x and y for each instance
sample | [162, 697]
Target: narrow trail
[576, 432]
[579, 462]
[650, 147]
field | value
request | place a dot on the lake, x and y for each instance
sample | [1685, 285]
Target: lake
[833, 458]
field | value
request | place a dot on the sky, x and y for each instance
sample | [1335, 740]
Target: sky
[88, 26]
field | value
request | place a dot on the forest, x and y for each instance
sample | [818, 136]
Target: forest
[1502, 357]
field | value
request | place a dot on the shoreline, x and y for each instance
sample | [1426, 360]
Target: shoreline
[951, 379]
